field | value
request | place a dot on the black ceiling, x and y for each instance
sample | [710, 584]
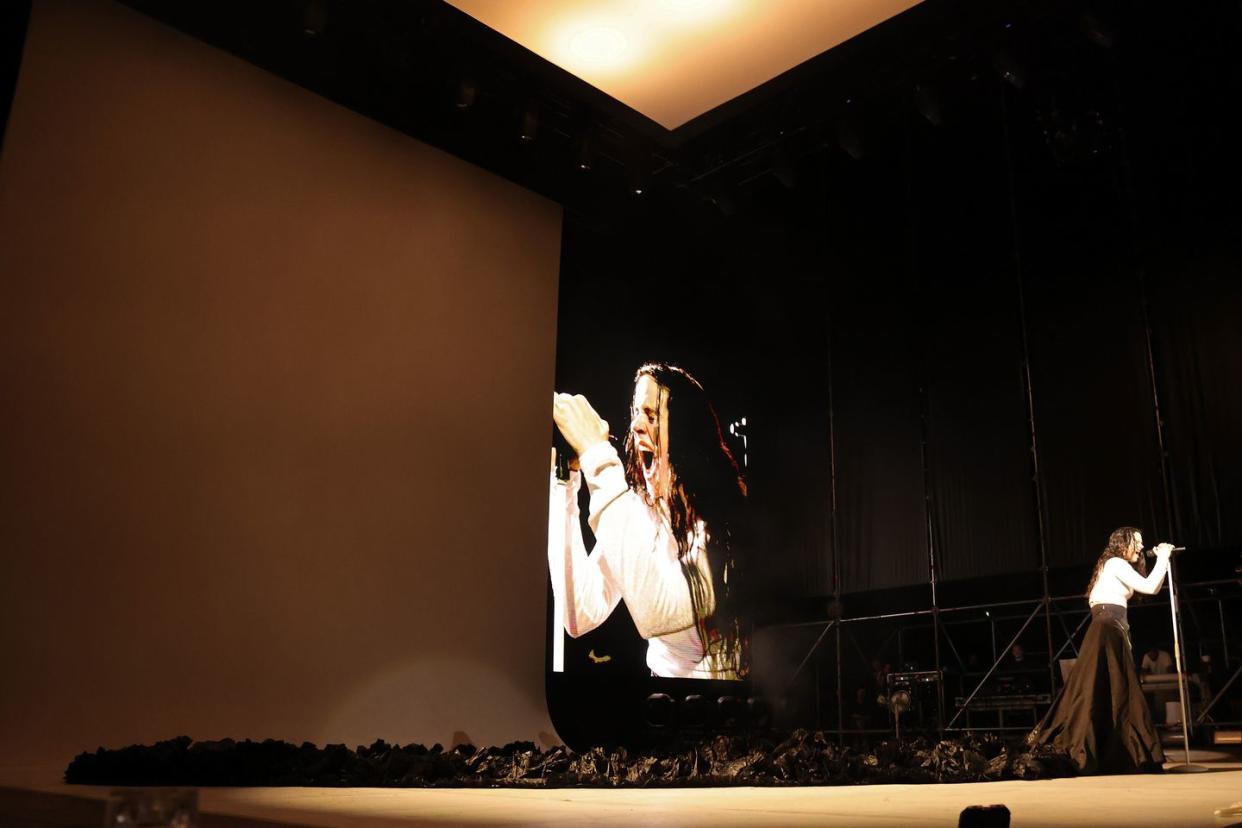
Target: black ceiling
[425, 68]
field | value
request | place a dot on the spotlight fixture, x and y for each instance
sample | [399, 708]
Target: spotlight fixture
[467, 91]
[738, 430]
[529, 129]
[1009, 69]
[585, 158]
[638, 170]
[638, 181]
[314, 17]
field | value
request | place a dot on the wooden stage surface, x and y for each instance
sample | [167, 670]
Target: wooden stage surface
[32, 797]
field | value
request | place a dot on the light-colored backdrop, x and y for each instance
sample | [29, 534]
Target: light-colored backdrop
[274, 411]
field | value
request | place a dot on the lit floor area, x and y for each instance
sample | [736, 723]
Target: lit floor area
[33, 798]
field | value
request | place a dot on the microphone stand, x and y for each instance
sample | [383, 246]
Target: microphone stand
[1181, 680]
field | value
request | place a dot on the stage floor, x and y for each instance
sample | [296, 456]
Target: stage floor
[33, 798]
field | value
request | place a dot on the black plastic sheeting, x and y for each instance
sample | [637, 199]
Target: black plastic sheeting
[801, 758]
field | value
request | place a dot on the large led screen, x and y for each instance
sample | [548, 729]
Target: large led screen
[652, 545]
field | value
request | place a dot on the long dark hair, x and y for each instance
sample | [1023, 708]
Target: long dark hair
[705, 485]
[1118, 545]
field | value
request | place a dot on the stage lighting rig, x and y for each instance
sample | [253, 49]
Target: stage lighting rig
[529, 129]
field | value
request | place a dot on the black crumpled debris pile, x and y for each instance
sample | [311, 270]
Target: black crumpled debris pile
[799, 758]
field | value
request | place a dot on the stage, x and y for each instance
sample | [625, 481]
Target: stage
[34, 798]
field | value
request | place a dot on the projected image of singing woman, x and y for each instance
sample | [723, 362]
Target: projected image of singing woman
[1101, 718]
[663, 524]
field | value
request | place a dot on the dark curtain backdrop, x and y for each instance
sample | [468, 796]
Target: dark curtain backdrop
[1198, 337]
[1187, 169]
[877, 329]
[885, 310]
[788, 430]
[979, 465]
[1094, 418]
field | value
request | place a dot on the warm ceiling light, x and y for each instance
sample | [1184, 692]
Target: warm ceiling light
[600, 46]
[688, 10]
[673, 60]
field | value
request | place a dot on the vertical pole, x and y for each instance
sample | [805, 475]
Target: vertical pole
[1027, 386]
[1178, 663]
[1129, 198]
[931, 566]
[840, 706]
[819, 722]
[834, 547]
[1144, 304]
[1224, 634]
[928, 523]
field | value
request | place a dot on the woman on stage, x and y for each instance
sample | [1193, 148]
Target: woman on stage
[1101, 718]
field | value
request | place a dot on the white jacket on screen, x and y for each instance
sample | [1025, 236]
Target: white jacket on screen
[634, 560]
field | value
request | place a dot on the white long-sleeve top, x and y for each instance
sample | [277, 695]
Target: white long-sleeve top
[1119, 580]
[634, 559]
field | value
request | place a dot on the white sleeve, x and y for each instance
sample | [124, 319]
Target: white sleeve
[655, 590]
[606, 482]
[1128, 576]
[632, 553]
[585, 596]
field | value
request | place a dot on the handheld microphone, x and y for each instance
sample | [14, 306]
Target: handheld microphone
[563, 454]
[1151, 552]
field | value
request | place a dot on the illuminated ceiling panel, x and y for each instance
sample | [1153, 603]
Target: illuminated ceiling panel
[673, 60]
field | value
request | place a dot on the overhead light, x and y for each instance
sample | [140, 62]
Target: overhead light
[600, 46]
[467, 91]
[638, 169]
[689, 11]
[314, 17]
[529, 130]
[1010, 70]
[689, 5]
[586, 153]
[604, 43]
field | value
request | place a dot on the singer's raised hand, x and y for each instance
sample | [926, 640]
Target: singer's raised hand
[578, 422]
[1163, 550]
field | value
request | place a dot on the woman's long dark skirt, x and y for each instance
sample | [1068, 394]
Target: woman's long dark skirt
[1100, 717]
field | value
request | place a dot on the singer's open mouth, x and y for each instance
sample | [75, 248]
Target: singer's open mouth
[648, 458]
